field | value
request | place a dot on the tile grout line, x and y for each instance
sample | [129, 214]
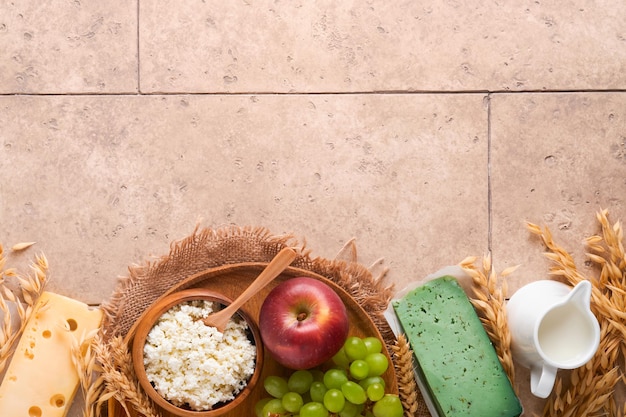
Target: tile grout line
[489, 188]
[138, 92]
[138, 55]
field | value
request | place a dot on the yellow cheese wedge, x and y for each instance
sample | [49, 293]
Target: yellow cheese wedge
[41, 380]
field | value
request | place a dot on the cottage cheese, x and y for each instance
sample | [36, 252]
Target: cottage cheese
[191, 364]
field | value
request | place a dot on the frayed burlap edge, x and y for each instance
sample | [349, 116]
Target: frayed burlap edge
[208, 248]
[202, 250]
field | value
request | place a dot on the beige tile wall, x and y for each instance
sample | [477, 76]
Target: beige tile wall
[428, 131]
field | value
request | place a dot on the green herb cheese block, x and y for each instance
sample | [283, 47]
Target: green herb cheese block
[456, 359]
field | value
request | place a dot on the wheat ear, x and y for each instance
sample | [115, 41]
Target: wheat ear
[591, 387]
[89, 372]
[405, 373]
[120, 379]
[14, 322]
[490, 292]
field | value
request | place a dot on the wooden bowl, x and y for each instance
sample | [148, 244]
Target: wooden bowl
[149, 319]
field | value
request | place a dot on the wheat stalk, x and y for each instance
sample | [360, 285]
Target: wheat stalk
[490, 292]
[591, 387]
[119, 377]
[88, 369]
[407, 387]
[31, 287]
[9, 334]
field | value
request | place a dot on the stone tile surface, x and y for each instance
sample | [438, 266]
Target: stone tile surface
[68, 47]
[105, 182]
[316, 124]
[375, 45]
[556, 160]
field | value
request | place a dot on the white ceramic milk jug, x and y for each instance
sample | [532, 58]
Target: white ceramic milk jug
[552, 327]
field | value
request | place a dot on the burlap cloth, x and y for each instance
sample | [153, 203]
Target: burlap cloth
[209, 248]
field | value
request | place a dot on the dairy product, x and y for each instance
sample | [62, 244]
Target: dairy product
[195, 365]
[41, 380]
[456, 359]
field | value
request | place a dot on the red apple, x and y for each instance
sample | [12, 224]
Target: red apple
[303, 323]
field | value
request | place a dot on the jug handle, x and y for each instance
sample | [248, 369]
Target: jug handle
[542, 379]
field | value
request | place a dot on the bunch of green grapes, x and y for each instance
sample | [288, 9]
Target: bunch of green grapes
[353, 386]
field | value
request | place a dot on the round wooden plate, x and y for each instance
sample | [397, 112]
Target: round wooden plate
[231, 280]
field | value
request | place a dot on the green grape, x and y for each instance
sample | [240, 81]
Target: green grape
[276, 386]
[273, 408]
[377, 363]
[349, 410]
[335, 378]
[258, 407]
[355, 348]
[300, 381]
[373, 344]
[374, 392]
[334, 401]
[372, 380]
[292, 401]
[317, 391]
[341, 359]
[359, 369]
[313, 409]
[388, 406]
[354, 392]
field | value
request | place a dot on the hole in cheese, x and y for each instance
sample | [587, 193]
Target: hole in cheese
[34, 411]
[73, 325]
[46, 334]
[58, 400]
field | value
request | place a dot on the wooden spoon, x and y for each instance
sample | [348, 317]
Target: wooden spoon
[273, 269]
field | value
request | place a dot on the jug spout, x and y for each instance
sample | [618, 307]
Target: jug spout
[580, 296]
